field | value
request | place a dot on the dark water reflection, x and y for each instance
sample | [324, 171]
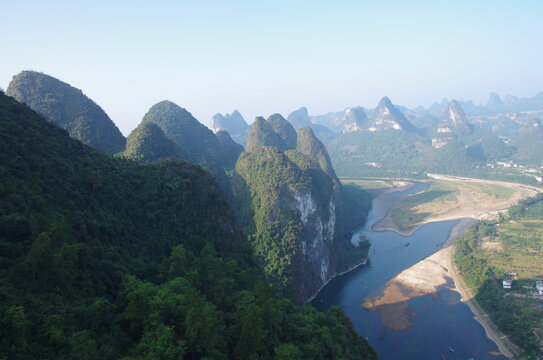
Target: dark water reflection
[440, 321]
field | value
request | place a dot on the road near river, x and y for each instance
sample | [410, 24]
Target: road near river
[408, 300]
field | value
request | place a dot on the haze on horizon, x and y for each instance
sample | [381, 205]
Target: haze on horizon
[262, 58]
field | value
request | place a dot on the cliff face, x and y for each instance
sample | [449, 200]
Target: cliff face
[295, 219]
[316, 264]
[386, 116]
[354, 120]
[295, 204]
[453, 125]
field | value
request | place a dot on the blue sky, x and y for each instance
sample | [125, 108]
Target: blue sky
[265, 57]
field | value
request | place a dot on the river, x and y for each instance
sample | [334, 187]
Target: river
[437, 322]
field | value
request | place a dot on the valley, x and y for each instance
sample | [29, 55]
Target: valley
[290, 220]
[271, 180]
[468, 200]
[452, 197]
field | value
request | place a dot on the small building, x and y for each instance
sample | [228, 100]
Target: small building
[511, 274]
[507, 284]
[539, 286]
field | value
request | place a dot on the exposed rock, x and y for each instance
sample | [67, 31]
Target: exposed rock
[299, 228]
[386, 116]
[453, 125]
[355, 119]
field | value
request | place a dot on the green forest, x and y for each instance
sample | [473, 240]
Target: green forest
[488, 251]
[104, 258]
[69, 108]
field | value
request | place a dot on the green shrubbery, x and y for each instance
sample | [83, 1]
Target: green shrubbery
[104, 258]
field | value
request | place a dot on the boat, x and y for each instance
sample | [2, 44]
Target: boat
[443, 357]
[451, 349]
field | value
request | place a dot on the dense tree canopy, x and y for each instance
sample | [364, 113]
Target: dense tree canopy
[104, 258]
[69, 108]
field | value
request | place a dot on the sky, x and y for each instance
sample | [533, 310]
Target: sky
[263, 57]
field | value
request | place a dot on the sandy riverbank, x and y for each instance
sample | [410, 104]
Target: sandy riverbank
[426, 276]
[421, 279]
[466, 206]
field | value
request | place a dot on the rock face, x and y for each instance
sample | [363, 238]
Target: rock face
[69, 108]
[296, 202]
[386, 117]
[355, 120]
[317, 265]
[299, 118]
[453, 125]
[147, 143]
[294, 218]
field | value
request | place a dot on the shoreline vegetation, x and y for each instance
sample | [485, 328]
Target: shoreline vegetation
[463, 208]
[424, 277]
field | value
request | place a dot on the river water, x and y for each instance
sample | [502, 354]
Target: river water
[438, 322]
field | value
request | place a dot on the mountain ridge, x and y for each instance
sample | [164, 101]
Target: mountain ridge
[105, 258]
[69, 108]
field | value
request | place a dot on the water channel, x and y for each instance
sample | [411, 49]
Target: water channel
[438, 322]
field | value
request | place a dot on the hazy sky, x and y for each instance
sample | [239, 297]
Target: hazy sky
[275, 56]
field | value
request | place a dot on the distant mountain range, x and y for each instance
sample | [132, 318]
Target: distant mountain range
[234, 124]
[497, 114]
[453, 136]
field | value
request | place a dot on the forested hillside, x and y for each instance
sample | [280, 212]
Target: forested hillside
[69, 108]
[102, 258]
[453, 147]
[147, 143]
[509, 250]
[294, 209]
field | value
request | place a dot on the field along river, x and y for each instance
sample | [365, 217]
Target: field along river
[408, 300]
